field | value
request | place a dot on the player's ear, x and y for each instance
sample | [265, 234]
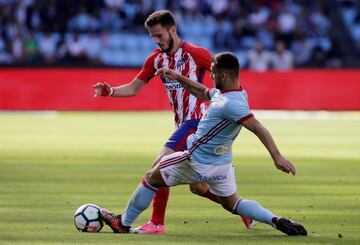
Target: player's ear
[222, 76]
[172, 29]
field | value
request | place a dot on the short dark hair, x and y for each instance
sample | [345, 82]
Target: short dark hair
[226, 61]
[163, 17]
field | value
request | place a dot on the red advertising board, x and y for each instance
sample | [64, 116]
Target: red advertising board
[71, 89]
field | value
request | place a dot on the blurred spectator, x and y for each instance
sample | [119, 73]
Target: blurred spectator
[334, 58]
[219, 7]
[17, 48]
[76, 49]
[259, 58]
[140, 17]
[320, 20]
[83, 21]
[282, 59]
[47, 48]
[62, 52]
[93, 48]
[115, 4]
[286, 25]
[31, 49]
[5, 55]
[222, 37]
[318, 57]
[259, 16]
[302, 50]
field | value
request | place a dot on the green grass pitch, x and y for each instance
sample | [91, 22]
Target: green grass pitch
[52, 163]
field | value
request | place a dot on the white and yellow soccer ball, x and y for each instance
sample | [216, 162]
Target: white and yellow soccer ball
[87, 218]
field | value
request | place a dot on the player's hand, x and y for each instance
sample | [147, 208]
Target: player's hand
[103, 89]
[284, 165]
[165, 72]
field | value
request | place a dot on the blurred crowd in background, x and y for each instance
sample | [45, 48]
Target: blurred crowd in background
[264, 34]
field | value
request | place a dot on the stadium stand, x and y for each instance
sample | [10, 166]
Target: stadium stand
[111, 32]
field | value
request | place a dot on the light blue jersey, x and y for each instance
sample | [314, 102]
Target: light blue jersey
[217, 130]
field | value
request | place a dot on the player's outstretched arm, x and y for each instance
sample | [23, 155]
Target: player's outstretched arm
[196, 89]
[126, 90]
[264, 135]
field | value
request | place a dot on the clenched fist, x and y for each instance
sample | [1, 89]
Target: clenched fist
[103, 89]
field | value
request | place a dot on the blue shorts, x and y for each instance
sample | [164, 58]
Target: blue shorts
[177, 140]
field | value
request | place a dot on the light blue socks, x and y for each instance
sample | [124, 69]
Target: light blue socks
[253, 210]
[139, 201]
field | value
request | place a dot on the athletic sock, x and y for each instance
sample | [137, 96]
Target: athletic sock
[139, 201]
[159, 205]
[211, 196]
[253, 210]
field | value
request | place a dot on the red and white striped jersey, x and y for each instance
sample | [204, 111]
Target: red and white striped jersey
[190, 61]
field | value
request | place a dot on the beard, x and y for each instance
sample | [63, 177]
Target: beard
[219, 86]
[217, 82]
[170, 44]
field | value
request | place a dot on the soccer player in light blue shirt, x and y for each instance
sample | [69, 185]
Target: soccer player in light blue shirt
[212, 142]
[208, 160]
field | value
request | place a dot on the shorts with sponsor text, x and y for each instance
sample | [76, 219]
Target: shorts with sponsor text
[178, 168]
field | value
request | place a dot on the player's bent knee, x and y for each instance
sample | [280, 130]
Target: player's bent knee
[198, 189]
[150, 178]
[229, 202]
[194, 189]
[154, 178]
[227, 207]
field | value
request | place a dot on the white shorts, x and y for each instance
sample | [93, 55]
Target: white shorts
[178, 168]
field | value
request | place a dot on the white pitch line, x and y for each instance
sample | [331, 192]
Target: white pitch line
[262, 114]
[307, 115]
[30, 113]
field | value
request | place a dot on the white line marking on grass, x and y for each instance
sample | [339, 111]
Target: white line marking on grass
[262, 114]
[307, 115]
[24, 113]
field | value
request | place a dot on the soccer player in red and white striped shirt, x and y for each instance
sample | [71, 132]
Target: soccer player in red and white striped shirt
[190, 61]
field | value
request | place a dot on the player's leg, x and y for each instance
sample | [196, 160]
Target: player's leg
[139, 201]
[254, 210]
[176, 142]
[226, 190]
[175, 170]
[156, 223]
[248, 208]
[202, 189]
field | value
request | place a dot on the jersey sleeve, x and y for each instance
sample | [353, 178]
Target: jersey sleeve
[147, 71]
[202, 56]
[211, 92]
[238, 111]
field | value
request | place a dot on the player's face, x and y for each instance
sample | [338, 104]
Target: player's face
[162, 37]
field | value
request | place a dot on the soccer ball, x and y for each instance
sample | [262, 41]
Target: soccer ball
[88, 218]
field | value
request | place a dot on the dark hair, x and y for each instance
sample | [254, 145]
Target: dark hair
[226, 61]
[163, 17]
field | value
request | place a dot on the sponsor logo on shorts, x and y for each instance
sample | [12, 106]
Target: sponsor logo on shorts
[218, 177]
[222, 149]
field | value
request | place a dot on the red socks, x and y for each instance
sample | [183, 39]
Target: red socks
[160, 201]
[159, 205]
